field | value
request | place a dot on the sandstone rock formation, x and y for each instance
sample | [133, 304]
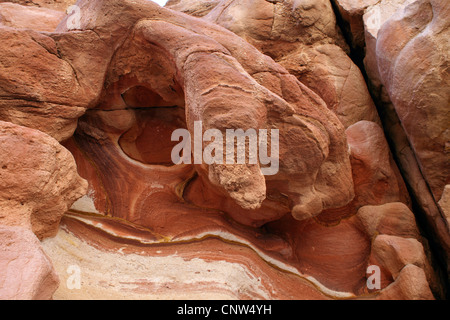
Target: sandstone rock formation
[326, 180]
[59, 5]
[38, 183]
[352, 12]
[408, 77]
[303, 37]
[27, 272]
[314, 53]
[444, 203]
[422, 54]
[196, 8]
[114, 89]
[39, 180]
[36, 18]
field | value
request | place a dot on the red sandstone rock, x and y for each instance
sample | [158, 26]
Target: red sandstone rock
[39, 19]
[411, 284]
[393, 253]
[396, 242]
[329, 71]
[26, 271]
[418, 55]
[390, 219]
[374, 17]
[303, 37]
[59, 5]
[335, 255]
[376, 177]
[38, 180]
[352, 12]
[33, 77]
[249, 105]
[402, 44]
[375, 174]
[132, 74]
[196, 8]
[418, 88]
[444, 203]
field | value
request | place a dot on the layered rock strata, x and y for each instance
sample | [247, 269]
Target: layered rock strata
[114, 89]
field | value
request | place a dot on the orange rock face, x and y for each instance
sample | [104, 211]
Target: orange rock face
[38, 184]
[39, 181]
[89, 111]
[430, 139]
[405, 63]
[39, 19]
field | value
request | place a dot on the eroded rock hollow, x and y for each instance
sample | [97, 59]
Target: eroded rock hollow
[90, 194]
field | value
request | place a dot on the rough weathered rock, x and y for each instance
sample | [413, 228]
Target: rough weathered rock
[196, 8]
[444, 203]
[317, 57]
[411, 284]
[405, 61]
[78, 91]
[314, 56]
[352, 12]
[150, 85]
[418, 85]
[59, 5]
[303, 37]
[26, 271]
[38, 184]
[38, 89]
[245, 102]
[389, 219]
[376, 177]
[393, 253]
[329, 71]
[374, 17]
[39, 19]
[134, 72]
[418, 90]
[396, 243]
[38, 180]
[375, 174]
[303, 21]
